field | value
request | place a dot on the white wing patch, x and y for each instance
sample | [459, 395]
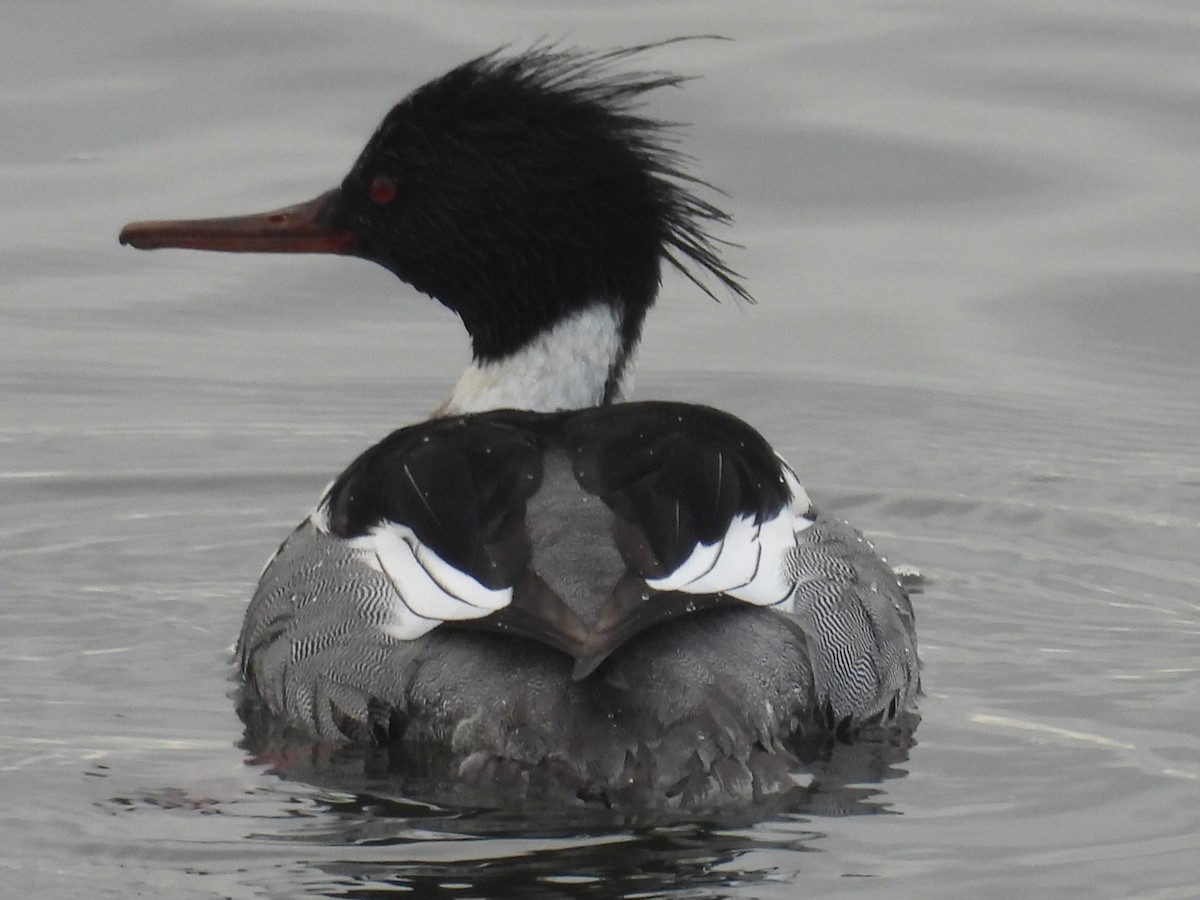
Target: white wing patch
[750, 562]
[429, 590]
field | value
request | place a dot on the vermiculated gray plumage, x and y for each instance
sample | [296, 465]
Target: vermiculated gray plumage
[729, 686]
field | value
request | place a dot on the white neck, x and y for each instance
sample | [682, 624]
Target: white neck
[567, 367]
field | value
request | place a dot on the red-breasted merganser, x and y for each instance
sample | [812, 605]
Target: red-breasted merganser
[636, 601]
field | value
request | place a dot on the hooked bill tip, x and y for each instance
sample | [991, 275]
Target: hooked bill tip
[131, 236]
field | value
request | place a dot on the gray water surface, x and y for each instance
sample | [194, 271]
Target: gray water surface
[972, 230]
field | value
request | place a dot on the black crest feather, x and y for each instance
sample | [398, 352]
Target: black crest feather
[594, 78]
[530, 184]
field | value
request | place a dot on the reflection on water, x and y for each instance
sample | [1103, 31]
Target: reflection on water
[354, 798]
[690, 861]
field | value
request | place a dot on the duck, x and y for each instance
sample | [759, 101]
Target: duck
[563, 592]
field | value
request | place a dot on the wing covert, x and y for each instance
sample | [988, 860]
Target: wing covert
[706, 506]
[438, 509]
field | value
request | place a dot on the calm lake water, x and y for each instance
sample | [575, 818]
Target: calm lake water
[973, 232]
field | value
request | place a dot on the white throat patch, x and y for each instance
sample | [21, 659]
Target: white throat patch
[566, 367]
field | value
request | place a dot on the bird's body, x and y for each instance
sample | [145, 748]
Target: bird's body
[623, 601]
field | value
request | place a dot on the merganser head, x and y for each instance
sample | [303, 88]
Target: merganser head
[527, 194]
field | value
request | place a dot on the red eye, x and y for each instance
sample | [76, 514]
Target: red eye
[382, 190]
